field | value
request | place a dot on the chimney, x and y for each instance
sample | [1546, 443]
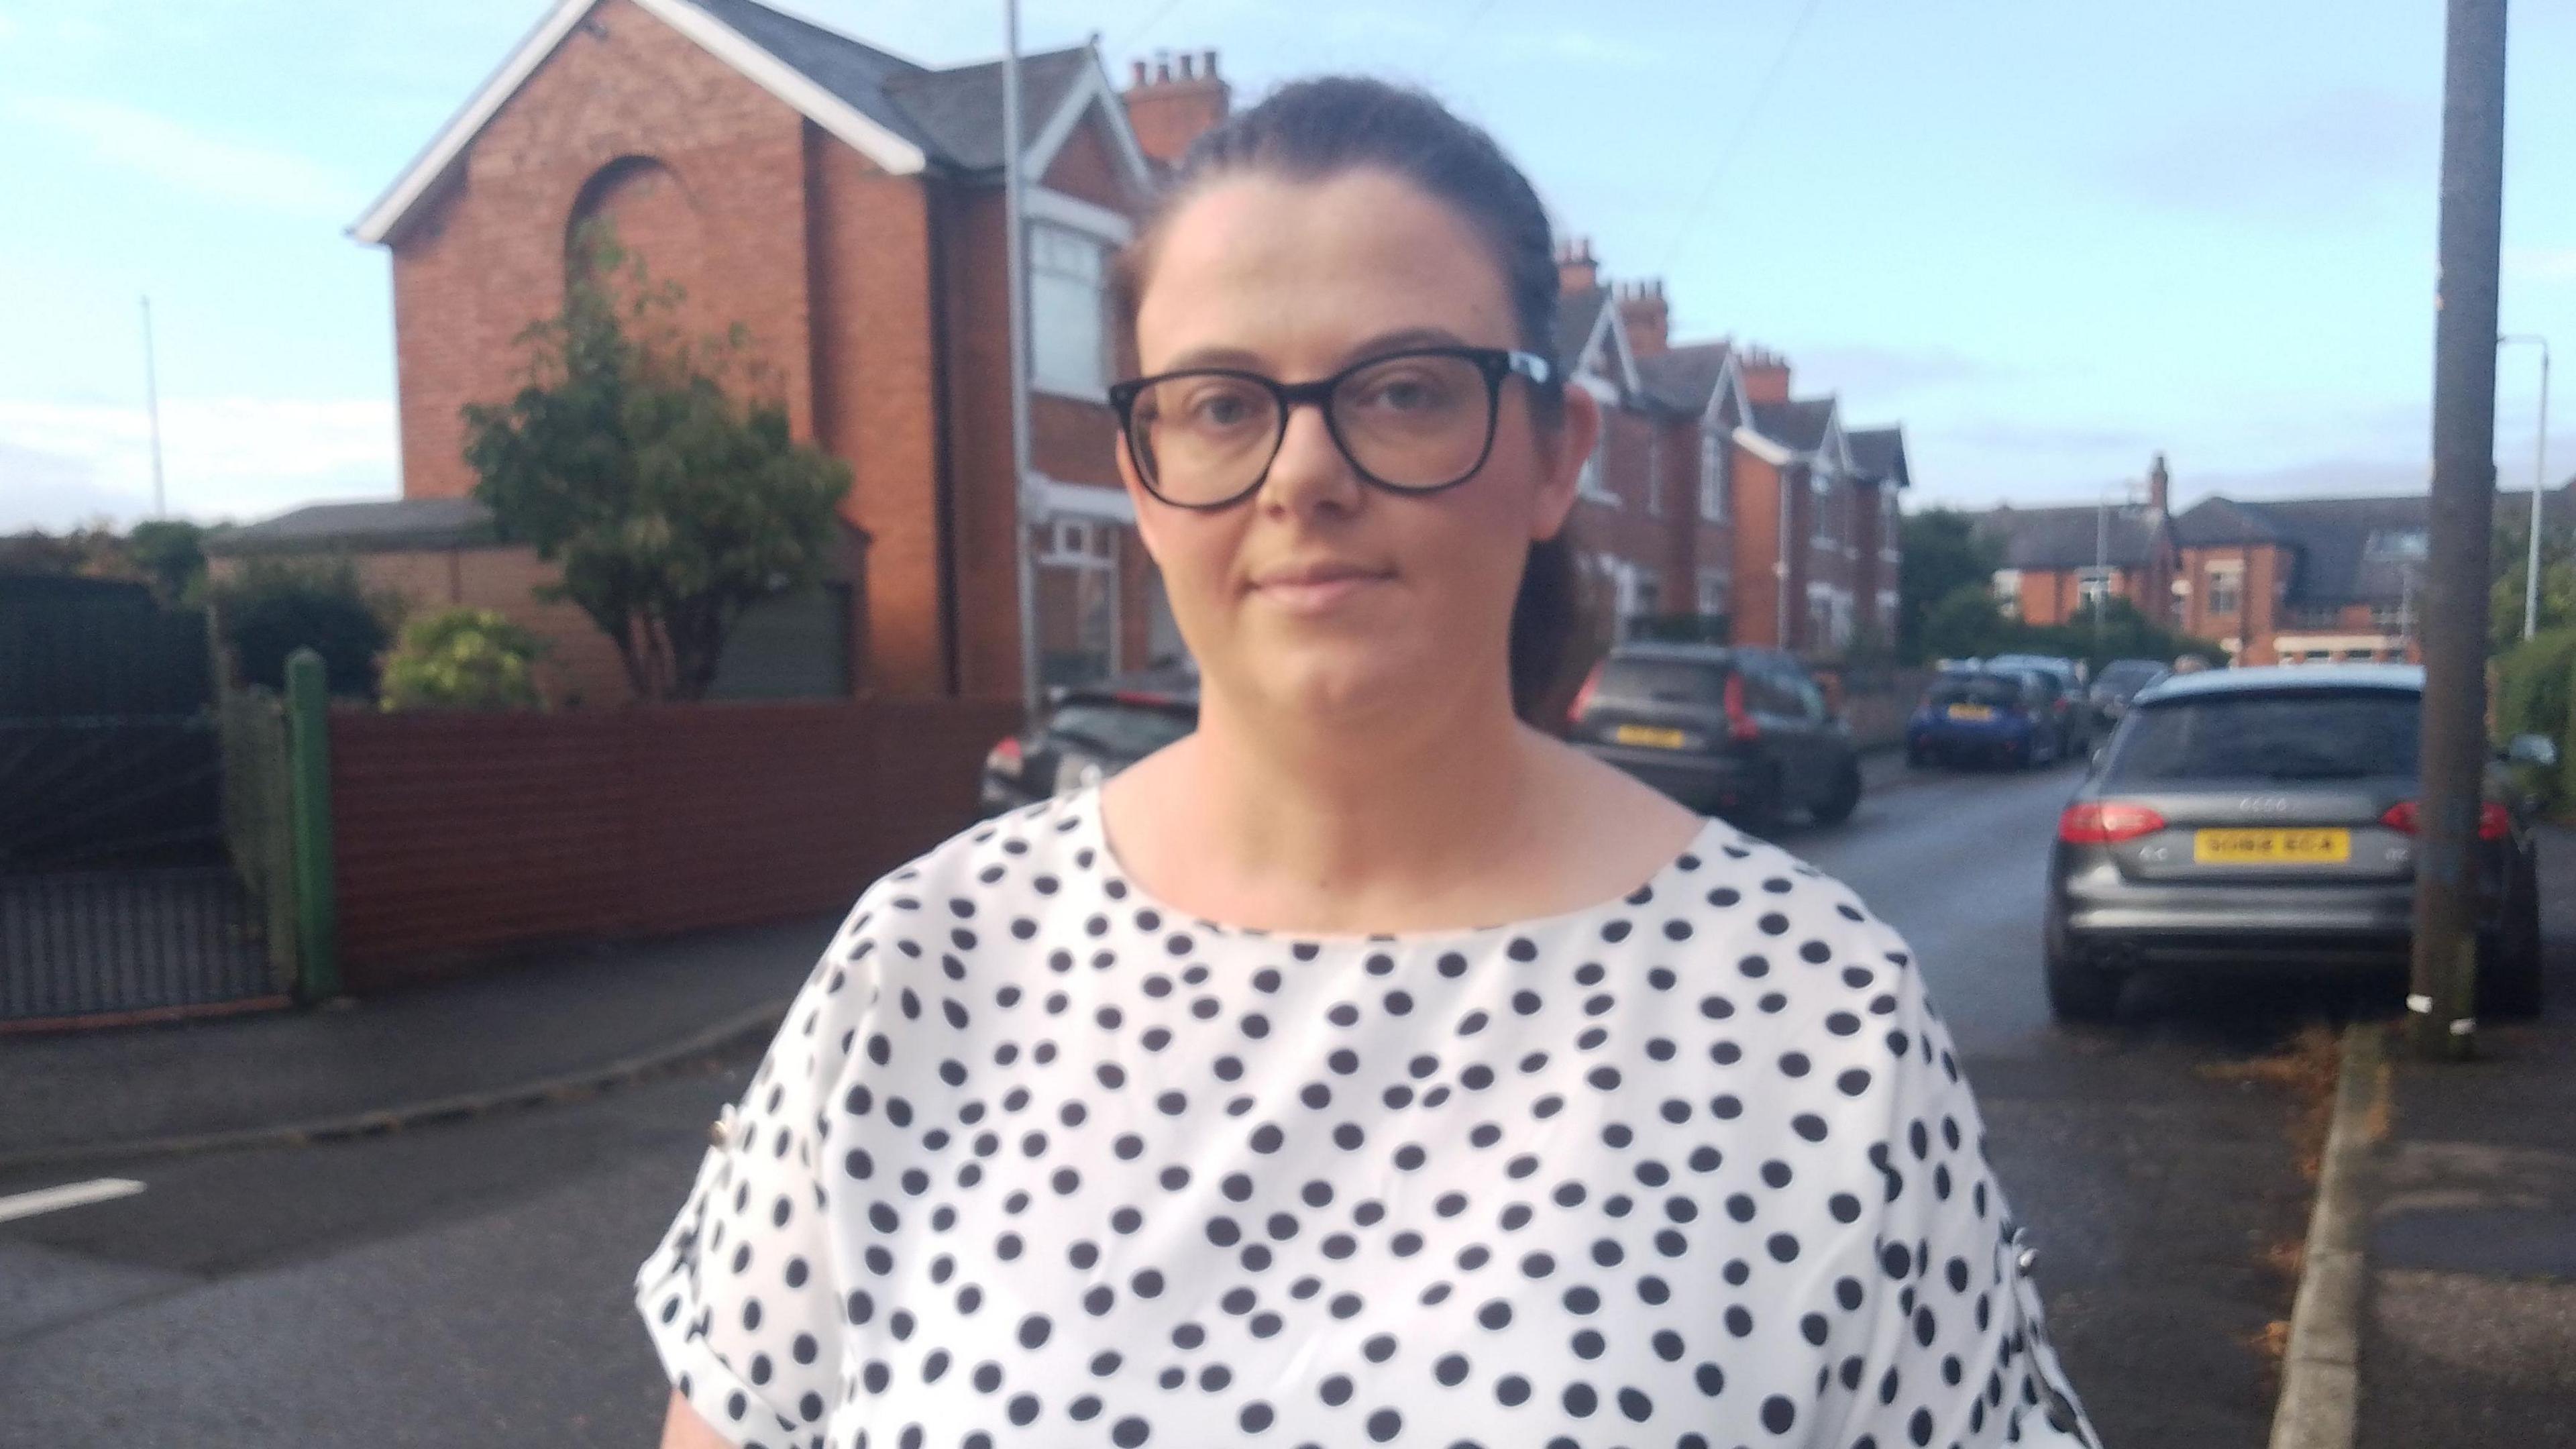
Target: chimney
[1576, 271]
[1169, 109]
[1648, 320]
[1766, 375]
[2159, 484]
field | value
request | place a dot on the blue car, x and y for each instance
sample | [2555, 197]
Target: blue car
[2002, 716]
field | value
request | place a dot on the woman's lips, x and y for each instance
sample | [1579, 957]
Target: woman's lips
[1317, 590]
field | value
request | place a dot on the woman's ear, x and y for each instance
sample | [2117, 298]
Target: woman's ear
[1577, 432]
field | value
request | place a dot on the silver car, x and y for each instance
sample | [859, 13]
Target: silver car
[2249, 815]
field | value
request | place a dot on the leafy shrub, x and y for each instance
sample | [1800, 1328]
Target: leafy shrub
[463, 659]
[274, 607]
[2537, 696]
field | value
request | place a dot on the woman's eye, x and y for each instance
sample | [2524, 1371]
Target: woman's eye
[1219, 408]
[1404, 393]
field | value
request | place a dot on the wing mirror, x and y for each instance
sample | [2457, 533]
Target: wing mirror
[2537, 751]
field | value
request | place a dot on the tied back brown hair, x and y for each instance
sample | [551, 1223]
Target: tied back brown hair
[1313, 130]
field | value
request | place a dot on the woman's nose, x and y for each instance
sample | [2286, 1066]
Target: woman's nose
[1309, 471]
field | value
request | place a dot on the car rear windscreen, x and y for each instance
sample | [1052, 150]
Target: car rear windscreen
[2125, 675]
[1661, 681]
[1987, 689]
[2308, 735]
[1125, 730]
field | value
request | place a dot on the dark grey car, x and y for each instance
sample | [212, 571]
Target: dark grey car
[2253, 815]
[1739, 732]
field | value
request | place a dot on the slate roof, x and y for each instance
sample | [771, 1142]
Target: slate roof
[1879, 454]
[954, 116]
[1684, 378]
[1798, 424]
[373, 526]
[1577, 313]
[2067, 538]
[2217, 522]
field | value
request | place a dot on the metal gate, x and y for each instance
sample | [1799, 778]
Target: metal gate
[116, 892]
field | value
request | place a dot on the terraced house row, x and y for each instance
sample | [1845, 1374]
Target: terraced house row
[845, 206]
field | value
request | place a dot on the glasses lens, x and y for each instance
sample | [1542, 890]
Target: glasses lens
[1419, 421]
[1203, 437]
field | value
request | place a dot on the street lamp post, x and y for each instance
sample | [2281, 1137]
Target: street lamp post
[2539, 484]
[1015, 264]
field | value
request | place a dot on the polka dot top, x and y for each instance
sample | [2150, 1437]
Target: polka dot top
[1034, 1160]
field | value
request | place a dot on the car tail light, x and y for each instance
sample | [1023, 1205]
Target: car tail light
[2494, 821]
[1583, 697]
[1006, 758]
[2106, 822]
[1739, 723]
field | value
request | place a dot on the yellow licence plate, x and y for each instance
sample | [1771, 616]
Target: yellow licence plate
[1649, 736]
[1972, 711]
[2271, 847]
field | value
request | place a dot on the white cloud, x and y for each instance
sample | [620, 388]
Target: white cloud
[2541, 264]
[242, 458]
[194, 161]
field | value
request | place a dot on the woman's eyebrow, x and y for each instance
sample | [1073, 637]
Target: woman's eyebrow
[1376, 346]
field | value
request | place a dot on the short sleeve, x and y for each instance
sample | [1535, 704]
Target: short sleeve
[1944, 1342]
[740, 1297]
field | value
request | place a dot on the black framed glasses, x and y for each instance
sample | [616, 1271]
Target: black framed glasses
[1415, 421]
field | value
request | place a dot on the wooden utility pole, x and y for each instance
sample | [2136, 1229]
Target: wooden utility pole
[2442, 993]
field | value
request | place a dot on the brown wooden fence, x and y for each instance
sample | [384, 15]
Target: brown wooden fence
[461, 836]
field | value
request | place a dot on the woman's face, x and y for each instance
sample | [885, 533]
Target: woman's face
[1321, 594]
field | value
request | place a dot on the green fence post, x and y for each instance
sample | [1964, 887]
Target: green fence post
[308, 747]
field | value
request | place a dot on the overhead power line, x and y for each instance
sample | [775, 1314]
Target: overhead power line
[1743, 132]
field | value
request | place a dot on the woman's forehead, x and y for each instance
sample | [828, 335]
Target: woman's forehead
[1295, 271]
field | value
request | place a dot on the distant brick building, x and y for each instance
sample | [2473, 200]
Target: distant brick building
[2306, 580]
[2055, 561]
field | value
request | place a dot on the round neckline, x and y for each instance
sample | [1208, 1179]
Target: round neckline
[1091, 832]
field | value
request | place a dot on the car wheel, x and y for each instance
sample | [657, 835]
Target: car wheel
[1844, 798]
[2078, 990]
[2509, 957]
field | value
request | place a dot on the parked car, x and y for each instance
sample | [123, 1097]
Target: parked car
[2003, 716]
[1740, 732]
[2119, 682]
[1090, 733]
[2077, 724]
[2247, 816]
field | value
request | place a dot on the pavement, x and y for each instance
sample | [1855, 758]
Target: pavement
[586, 1018]
[2468, 1336]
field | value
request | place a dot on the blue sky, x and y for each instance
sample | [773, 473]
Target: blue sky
[2049, 238]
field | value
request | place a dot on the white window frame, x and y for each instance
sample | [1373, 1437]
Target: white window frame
[1716, 591]
[1592, 483]
[2093, 585]
[2226, 581]
[1068, 278]
[1713, 462]
[2008, 592]
[1820, 488]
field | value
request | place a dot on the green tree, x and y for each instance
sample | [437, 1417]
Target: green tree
[463, 659]
[1943, 555]
[2511, 560]
[273, 607]
[1963, 625]
[626, 458]
[171, 553]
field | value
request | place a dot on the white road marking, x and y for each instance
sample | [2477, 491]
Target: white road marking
[69, 1195]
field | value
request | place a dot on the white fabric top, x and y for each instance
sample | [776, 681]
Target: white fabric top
[1034, 1161]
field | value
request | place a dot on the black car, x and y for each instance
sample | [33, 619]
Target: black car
[1090, 733]
[1739, 732]
[2119, 683]
[2250, 816]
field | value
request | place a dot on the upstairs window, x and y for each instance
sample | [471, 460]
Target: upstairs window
[1712, 475]
[1068, 312]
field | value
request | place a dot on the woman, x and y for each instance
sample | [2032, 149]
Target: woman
[1209, 1106]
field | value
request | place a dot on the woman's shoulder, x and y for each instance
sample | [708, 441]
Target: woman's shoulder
[1034, 851]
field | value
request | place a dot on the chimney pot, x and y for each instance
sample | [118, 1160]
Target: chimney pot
[1189, 66]
[1163, 70]
[1207, 64]
[1140, 73]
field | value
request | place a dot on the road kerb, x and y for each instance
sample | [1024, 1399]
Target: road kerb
[759, 1022]
[2321, 1369]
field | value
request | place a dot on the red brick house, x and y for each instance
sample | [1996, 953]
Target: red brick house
[2054, 561]
[845, 205]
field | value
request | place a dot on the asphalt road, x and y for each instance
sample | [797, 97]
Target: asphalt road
[466, 1284]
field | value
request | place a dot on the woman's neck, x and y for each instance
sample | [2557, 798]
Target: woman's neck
[1429, 819]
